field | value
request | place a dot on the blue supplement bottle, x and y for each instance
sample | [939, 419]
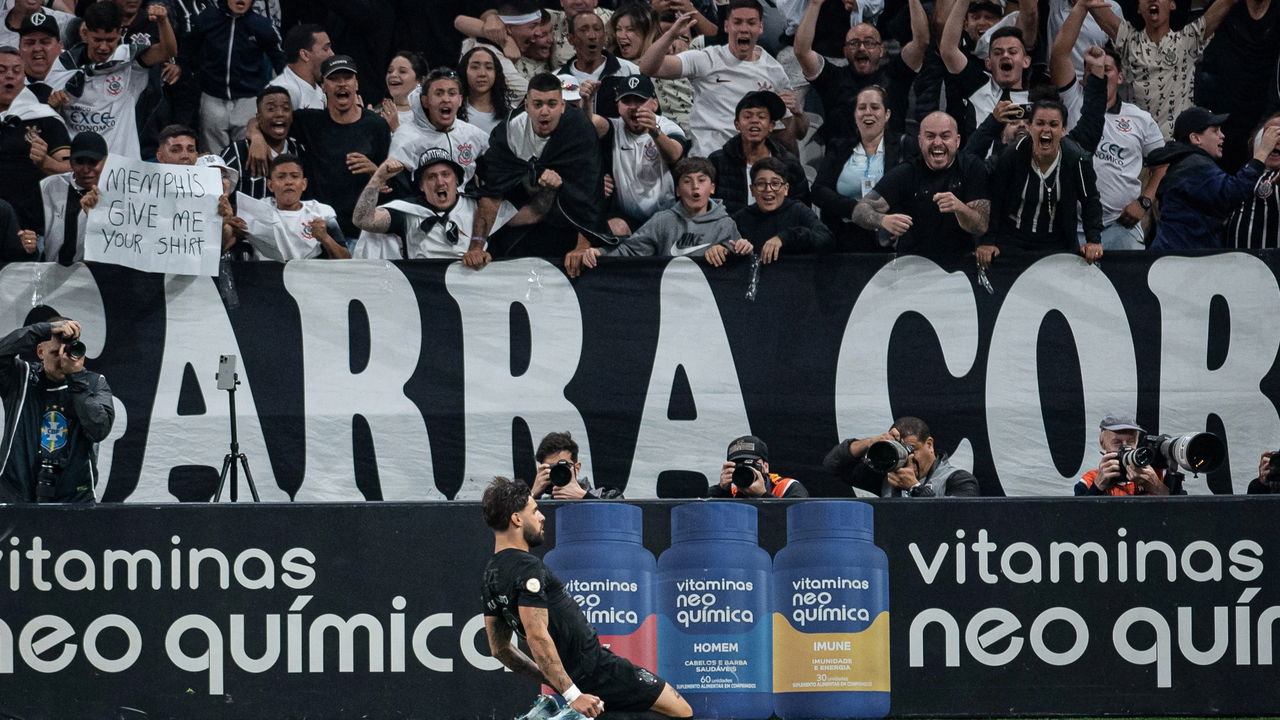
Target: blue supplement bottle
[831, 614]
[605, 567]
[713, 603]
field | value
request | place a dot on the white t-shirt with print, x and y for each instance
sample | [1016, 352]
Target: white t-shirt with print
[641, 181]
[302, 94]
[719, 81]
[1127, 138]
[295, 238]
[107, 104]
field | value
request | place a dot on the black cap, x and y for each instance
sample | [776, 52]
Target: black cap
[1195, 119]
[1116, 422]
[638, 85]
[766, 99]
[88, 145]
[337, 63]
[435, 156]
[39, 22]
[748, 447]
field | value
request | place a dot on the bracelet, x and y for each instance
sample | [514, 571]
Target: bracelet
[571, 693]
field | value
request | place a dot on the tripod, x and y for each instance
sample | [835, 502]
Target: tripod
[229, 462]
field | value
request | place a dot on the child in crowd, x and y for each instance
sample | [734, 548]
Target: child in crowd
[294, 228]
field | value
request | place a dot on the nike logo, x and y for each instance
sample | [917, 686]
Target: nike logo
[720, 80]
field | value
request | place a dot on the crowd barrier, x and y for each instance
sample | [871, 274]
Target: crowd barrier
[995, 607]
[418, 381]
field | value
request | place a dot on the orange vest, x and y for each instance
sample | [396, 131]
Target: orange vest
[1128, 488]
[779, 486]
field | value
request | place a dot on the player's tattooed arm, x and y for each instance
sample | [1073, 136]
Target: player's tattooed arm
[543, 648]
[501, 647]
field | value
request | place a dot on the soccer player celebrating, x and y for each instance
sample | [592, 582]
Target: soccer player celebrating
[521, 594]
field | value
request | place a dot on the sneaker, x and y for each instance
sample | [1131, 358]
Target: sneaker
[543, 708]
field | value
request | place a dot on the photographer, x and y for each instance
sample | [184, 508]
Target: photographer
[55, 414]
[558, 469]
[745, 474]
[920, 471]
[1116, 433]
[1268, 480]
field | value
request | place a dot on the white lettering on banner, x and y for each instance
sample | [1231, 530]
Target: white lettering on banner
[907, 284]
[1108, 366]
[335, 394]
[156, 217]
[690, 335]
[494, 395]
[197, 332]
[1190, 390]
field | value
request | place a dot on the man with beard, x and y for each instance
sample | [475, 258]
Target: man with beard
[274, 119]
[550, 149]
[437, 224]
[33, 143]
[1160, 62]
[341, 142]
[754, 118]
[1196, 196]
[522, 596]
[863, 49]
[436, 125]
[982, 86]
[41, 50]
[1039, 189]
[636, 149]
[936, 204]
[722, 74]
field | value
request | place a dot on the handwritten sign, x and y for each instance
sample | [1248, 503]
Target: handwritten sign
[156, 217]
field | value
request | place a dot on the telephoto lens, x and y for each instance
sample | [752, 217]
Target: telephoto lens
[886, 456]
[744, 473]
[76, 349]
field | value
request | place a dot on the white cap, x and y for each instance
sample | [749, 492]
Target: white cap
[216, 161]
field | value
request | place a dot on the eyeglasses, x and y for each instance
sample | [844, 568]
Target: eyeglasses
[768, 184]
[868, 44]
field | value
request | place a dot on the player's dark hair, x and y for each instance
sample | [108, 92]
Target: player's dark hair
[502, 499]
[769, 162]
[556, 442]
[299, 38]
[1009, 31]
[544, 82]
[283, 159]
[748, 4]
[102, 16]
[912, 426]
[168, 132]
[691, 165]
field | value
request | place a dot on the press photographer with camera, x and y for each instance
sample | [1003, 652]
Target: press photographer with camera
[902, 462]
[1268, 480]
[745, 474]
[1134, 463]
[558, 472]
[55, 414]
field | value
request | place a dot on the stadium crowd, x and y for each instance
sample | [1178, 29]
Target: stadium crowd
[490, 129]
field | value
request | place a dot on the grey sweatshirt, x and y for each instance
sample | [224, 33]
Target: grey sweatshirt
[673, 232]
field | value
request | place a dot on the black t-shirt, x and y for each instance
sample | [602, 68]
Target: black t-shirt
[839, 87]
[1241, 59]
[909, 189]
[516, 578]
[325, 159]
[19, 179]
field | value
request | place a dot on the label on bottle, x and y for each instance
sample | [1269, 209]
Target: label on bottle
[615, 604]
[831, 630]
[714, 633]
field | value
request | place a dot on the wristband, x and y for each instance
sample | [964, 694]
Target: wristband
[571, 693]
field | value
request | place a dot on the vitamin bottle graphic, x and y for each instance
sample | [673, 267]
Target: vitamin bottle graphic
[605, 567]
[713, 602]
[830, 614]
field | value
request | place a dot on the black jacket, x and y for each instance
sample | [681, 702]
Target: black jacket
[1077, 184]
[64, 420]
[793, 223]
[835, 208]
[950, 480]
[731, 173]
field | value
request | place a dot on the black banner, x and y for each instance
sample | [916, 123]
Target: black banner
[418, 381]
[998, 608]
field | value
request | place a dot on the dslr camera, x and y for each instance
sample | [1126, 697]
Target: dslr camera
[744, 472]
[1194, 453]
[562, 473]
[1273, 473]
[885, 456]
[74, 349]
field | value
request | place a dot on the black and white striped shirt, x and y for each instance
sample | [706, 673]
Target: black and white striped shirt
[237, 155]
[1256, 223]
